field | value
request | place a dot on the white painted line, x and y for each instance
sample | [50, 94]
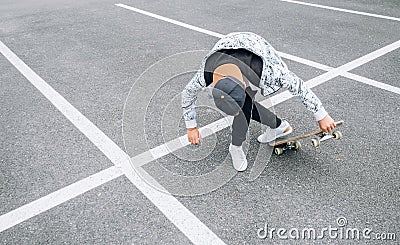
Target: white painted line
[95, 135]
[178, 143]
[353, 64]
[58, 197]
[305, 62]
[195, 230]
[198, 29]
[340, 70]
[214, 34]
[369, 57]
[178, 214]
[218, 125]
[189, 225]
[343, 10]
[346, 74]
[371, 82]
[343, 70]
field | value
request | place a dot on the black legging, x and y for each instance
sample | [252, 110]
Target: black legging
[251, 110]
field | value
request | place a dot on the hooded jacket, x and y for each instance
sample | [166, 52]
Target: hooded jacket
[274, 75]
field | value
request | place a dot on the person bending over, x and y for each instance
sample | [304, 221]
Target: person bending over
[237, 65]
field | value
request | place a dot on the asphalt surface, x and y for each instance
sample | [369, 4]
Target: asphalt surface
[99, 56]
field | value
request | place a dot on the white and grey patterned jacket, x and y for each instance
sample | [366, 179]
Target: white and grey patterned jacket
[275, 75]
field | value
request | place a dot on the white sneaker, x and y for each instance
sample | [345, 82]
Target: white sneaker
[272, 134]
[238, 157]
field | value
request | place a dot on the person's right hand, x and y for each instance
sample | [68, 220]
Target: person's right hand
[326, 124]
[194, 136]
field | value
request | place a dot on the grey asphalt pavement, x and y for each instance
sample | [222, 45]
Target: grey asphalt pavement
[93, 52]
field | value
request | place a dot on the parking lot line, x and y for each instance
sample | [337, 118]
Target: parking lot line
[348, 75]
[198, 29]
[342, 70]
[342, 10]
[168, 147]
[371, 82]
[218, 125]
[355, 63]
[179, 215]
[87, 126]
[58, 197]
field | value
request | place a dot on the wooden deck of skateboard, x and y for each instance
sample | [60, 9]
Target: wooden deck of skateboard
[281, 142]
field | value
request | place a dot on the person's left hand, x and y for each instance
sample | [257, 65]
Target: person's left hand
[326, 124]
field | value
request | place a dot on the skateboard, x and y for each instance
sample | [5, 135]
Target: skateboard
[293, 143]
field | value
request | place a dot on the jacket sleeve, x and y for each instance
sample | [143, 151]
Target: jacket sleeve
[297, 87]
[189, 99]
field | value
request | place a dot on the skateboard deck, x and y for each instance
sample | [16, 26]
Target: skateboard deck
[284, 144]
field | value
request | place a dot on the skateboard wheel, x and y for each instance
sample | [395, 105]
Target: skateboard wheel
[315, 142]
[278, 151]
[297, 145]
[337, 135]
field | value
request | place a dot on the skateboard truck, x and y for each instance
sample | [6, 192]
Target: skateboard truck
[294, 144]
[316, 142]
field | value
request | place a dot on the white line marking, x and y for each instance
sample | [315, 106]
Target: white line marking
[198, 29]
[346, 74]
[343, 10]
[371, 56]
[195, 230]
[214, 34]
[343, 70]
[23, 213]
[371, 82]
[305, 62]
[354, 64]
[178, 143]
[218, 125]
[178, 214]
[58, 197]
